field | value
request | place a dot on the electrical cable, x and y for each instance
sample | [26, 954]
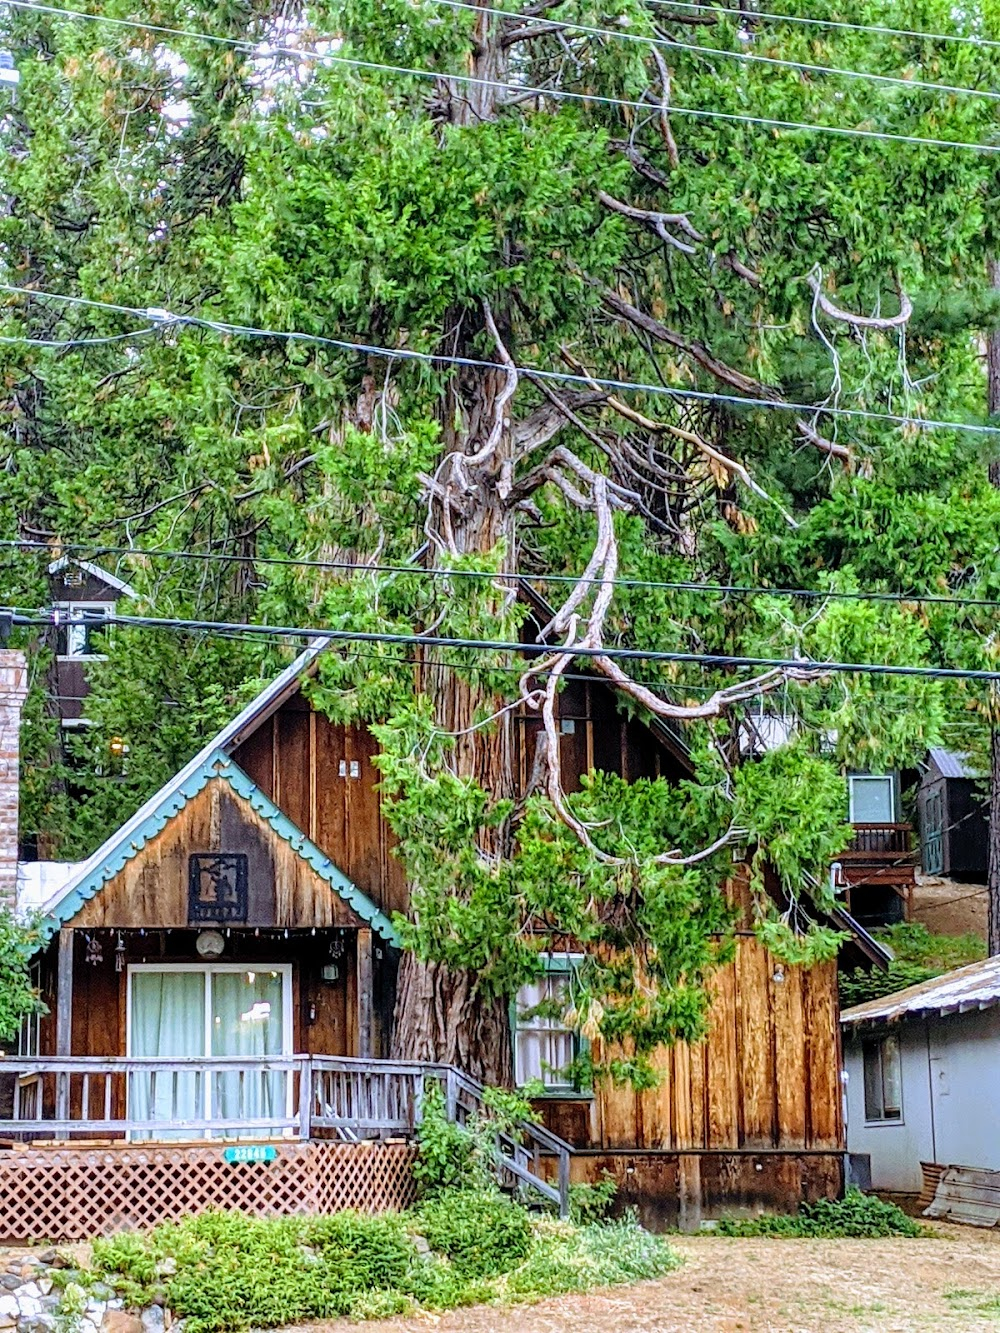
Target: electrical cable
[168, 319]
[753, 16]
[39, 617]
[97, 550]
[522, 89]
[675, 44]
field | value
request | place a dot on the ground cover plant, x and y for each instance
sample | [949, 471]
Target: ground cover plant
[919, 956]
[230, 1271]
[856, 1216]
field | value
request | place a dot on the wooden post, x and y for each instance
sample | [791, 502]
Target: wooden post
[689, 1192]
[305, 1099]
[64, 1017]
[365, 992]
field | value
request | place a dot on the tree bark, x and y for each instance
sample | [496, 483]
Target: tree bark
[993, 855]
[441, 1014]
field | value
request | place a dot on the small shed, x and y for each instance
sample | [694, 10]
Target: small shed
[923, 1076]
[954, 824]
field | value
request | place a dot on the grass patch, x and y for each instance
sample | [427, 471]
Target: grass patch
[919, 956]
[229, 1271]
[856, 1216]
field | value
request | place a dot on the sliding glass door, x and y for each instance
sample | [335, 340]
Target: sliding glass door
[192, 1012]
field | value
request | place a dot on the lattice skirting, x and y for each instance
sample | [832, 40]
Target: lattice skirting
[73, 1193]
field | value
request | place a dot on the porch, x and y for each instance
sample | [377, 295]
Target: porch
[100, 1144]
[878, 869]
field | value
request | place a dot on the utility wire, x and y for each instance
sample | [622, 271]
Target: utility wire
[97, 550]
[753, 16]
[675, 44]
[521, 89]
[39, 617]
[168, 319]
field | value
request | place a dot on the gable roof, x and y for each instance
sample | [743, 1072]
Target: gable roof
[95, 572]
[132, 837]
[951, 764]
[976, 986]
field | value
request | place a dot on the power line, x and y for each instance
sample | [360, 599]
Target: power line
[522, 89]
[675, 44]
[40, 617]
[98, 549]
[753, 16]
[169, 319]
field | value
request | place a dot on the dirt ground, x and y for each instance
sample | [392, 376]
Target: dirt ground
[948, 908]
[949, 1282]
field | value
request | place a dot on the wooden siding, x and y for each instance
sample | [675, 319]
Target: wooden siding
[321, 774]
[151, 890]
[767, 1076]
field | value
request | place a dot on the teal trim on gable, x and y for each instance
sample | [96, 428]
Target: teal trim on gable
[218, 764]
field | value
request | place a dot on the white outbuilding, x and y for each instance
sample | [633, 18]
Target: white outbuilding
[923, 1076]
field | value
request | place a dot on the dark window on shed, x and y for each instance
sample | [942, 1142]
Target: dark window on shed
[883, 1078]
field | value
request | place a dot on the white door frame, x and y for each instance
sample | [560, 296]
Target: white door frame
[287, 1031]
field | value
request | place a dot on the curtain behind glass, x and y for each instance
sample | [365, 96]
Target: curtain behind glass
[247, 1020]
[167, 1019]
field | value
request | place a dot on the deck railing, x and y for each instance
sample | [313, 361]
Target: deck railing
[151, 1098]
[878, 842]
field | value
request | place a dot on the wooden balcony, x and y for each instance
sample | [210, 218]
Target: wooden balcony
[879, 856]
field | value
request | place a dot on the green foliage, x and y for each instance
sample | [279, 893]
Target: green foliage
[482, 1233]
[919, 956]
[230, 1271]
[18, 997]
[450, 1156]
[592, 1202]
[857, 1215]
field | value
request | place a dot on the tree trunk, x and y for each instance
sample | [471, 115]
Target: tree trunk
[993, 857]
[441, 1015]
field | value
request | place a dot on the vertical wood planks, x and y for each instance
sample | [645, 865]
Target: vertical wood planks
[790, 1058]
[822, 1029]
[722, 1062]
[753, 982]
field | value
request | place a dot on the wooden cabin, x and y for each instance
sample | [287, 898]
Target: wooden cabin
[83, 595]
[244, 915]
[954, 818]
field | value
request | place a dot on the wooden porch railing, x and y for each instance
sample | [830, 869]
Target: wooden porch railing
[298, 1096]
[879, 842]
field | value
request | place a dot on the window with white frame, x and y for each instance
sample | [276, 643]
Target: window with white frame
[544, 1046]
[79, 624]
[872, 798]
[883, 1078]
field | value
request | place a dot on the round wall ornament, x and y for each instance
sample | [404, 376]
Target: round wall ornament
[209, 944]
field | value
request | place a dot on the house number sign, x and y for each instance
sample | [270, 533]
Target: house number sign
[217, 888]
[251, 1152]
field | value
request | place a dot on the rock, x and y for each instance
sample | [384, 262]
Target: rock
[88, 1325]
[9, 1306]
[45, 1285]
[62, 1259]
[31, 1291]
[166, 1267]
[7, 1321]
[11, 1281]
[121, 1321]
[152, 1319]
[29, 1306]
[37, 1323]
[100, 1291]
[47, 1256]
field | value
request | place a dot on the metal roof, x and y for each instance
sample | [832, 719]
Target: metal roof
[976, 986]
[951, 764]
[95, 571]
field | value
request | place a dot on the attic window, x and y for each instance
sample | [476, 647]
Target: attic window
[217, 888]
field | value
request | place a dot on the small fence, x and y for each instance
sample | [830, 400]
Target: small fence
[150, 1099]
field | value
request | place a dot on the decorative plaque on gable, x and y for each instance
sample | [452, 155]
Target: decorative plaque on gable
[217, 888]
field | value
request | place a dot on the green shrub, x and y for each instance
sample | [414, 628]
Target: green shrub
[449, 1156]
[230, 1271]
[592, 1202]
[919, 956]
[480, 1231]
[856, 1215]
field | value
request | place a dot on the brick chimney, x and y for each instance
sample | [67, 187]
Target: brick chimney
[13, 688]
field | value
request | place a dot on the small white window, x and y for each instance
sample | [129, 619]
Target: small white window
[883, 1078]
[79, 624]
[544, 1047]
[872, 798]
